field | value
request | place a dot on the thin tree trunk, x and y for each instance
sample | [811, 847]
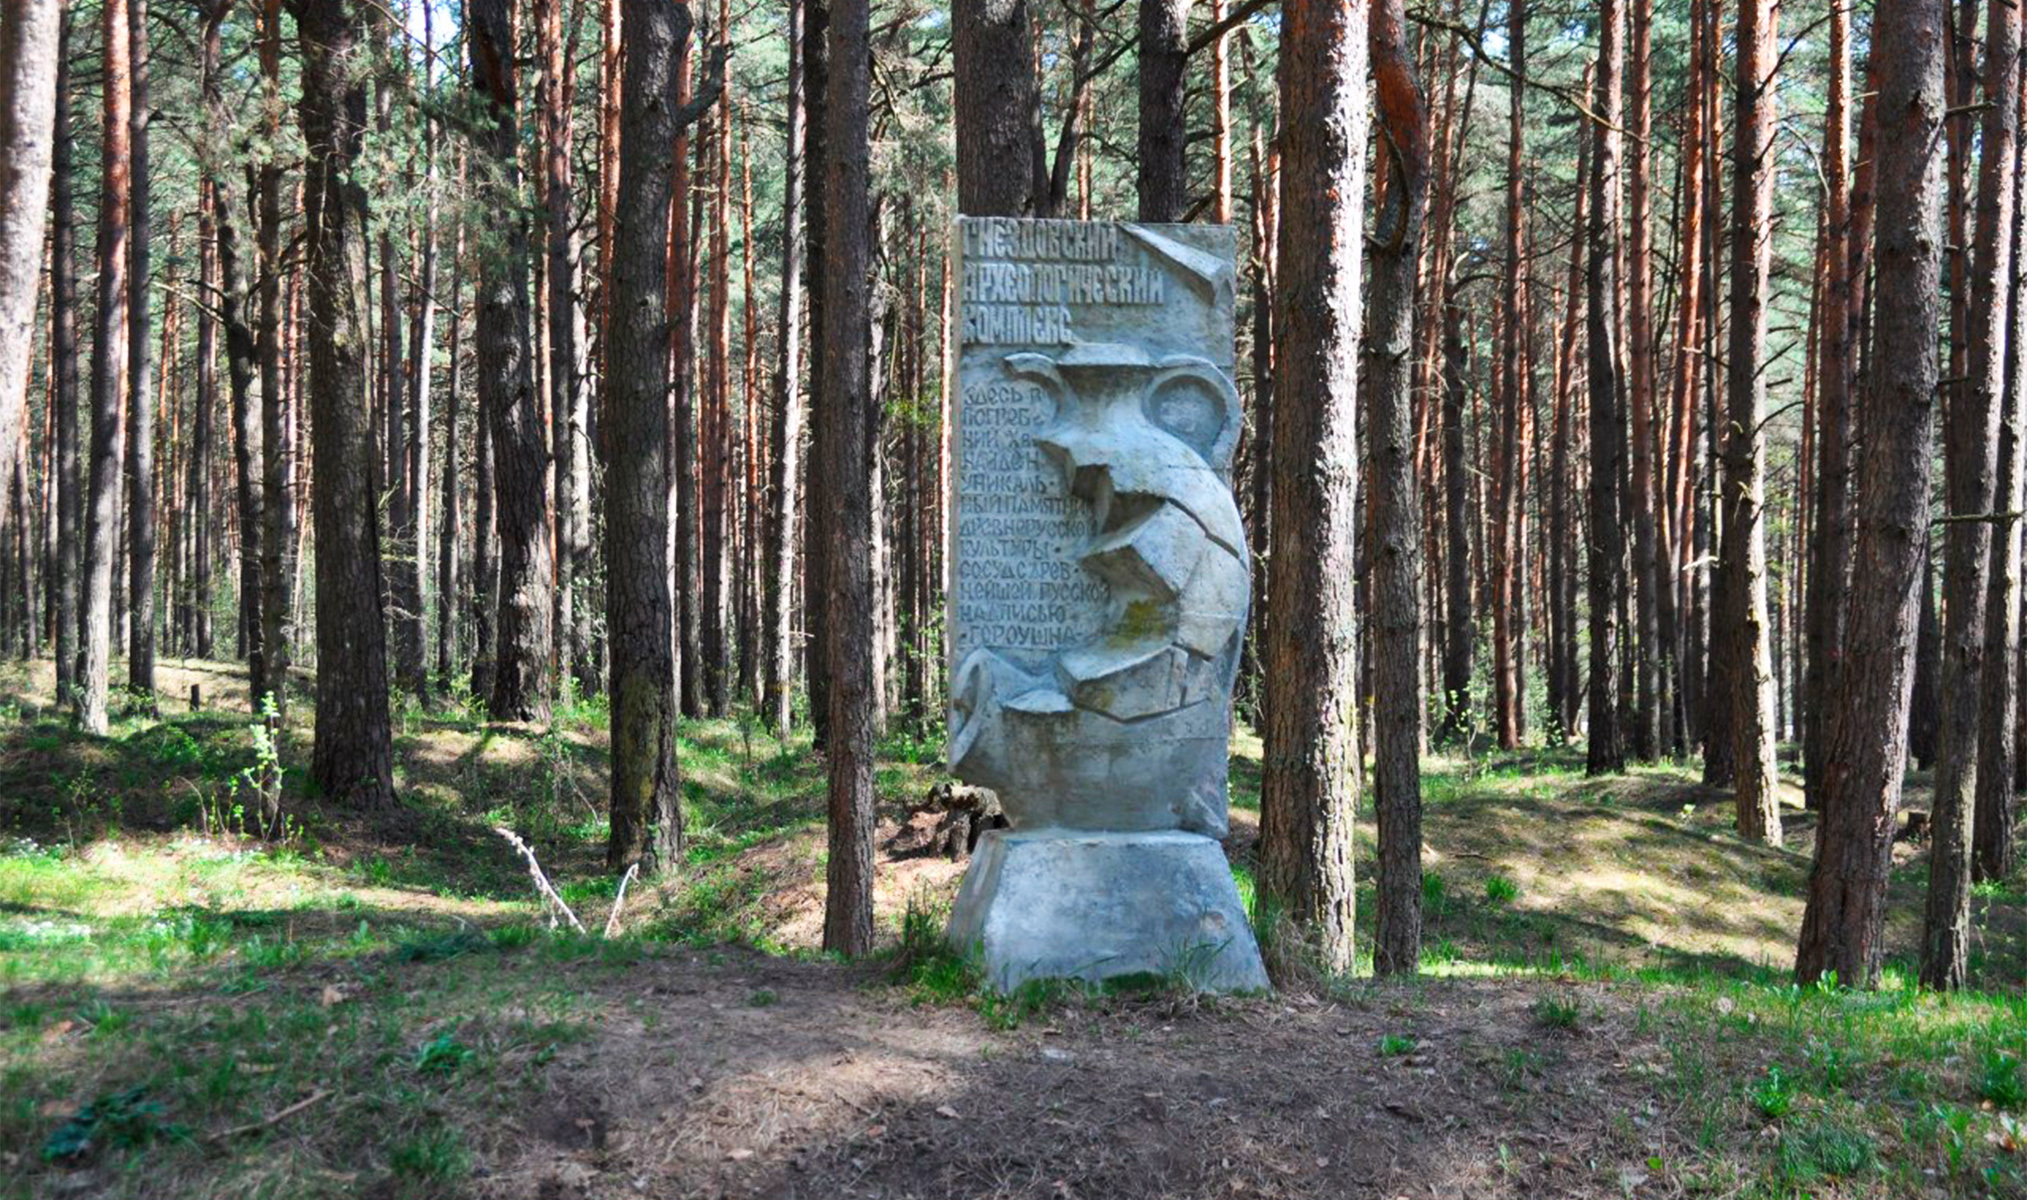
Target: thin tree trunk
[268, 655]
[1163, 180]
[1460, 626]
[1310, 787]
[1607, 750]
[786, 458]
[1866, 750]
[521, 668]
[353, 760]
[816, 76]
[1650, 681]
[140, 459]
[31, 40]
[109, 369]
[647, 820]
[998, 105]
[242, 359]
[1741, 615]
[448, 567]
[1971, 434]
[715, 433]
[683, 428]
[846, 461]
[63, 380]
[1999, 711]
[413, 627]
[1830, 557]
[1563, 518]
[568, 384]
[1395, 497]
[1506, 542]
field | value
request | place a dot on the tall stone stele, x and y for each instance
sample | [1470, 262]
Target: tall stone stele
[1098, 597]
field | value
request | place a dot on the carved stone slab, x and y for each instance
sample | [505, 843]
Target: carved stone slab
[1100, 575]
[1099, 589]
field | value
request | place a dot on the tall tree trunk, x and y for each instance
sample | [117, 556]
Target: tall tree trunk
[998, 104]
[1309, 792]
[1163, 180]
[140, 404]
[194, 537]
[647, 819]
[683, 429]
[716, 431]
[1971, 434]
[1866, 751]
[568, 383]
[1563, 516]
[353, 760]
[847, 461]
[1506, 547]
[1649, 656]
[63, 383]
[449, 569]
[30, 43]
[1221, 118]
[1999, 711]
[1830, 548]
[413, 621]
[268, 656]
[109, 369]
[1460, 626]
[1396, 498]
[816, 60]
[786, 456]
[242, 359]
[752, 457]
[521, 667]
[1607, 539]
[1741, 616]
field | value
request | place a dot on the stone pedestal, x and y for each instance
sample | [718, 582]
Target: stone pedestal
[1074, 904]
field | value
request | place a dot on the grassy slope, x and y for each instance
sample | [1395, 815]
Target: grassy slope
[399, 974]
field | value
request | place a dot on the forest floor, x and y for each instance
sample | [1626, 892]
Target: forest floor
[376, 1007]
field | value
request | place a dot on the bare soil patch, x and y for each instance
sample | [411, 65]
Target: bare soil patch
[771, 1078]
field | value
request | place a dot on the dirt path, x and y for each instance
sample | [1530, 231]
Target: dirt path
[767, 1078]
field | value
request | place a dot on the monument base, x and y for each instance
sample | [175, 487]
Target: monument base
[1070, 904]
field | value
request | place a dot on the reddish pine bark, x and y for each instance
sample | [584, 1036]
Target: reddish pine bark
[1867, 745]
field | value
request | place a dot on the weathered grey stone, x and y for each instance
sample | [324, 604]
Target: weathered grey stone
[1050, 904]
[1100, 576]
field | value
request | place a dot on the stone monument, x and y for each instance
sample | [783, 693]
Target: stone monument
[1099, 585]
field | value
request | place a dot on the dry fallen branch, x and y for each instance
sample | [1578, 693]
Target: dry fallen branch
[275, 1119]
[552, 901]
[612, 922]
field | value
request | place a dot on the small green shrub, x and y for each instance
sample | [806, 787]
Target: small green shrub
[1833, 1063]
[1435, 896]
[1500, 891]
[120, 1120]
[1826, 1151]
[1393, 1044]
[1999, 1079]
[1773, 1095]
[1557, 1012]
[443, 1055]
[436, 1155]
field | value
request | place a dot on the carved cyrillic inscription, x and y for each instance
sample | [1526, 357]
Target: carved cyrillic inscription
[1020, 587]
